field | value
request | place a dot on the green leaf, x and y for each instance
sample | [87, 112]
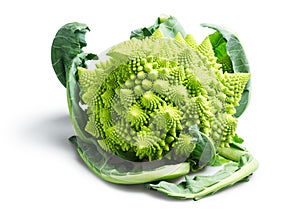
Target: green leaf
[169, 26]
[237, 139]
[204, 151]
[218, 161]
[117, 170]
[234, 60]
[77, 114]
[243, 104]
[67, 44]
[233, 48]
[201, 186]
[237, 143]
[67, 55]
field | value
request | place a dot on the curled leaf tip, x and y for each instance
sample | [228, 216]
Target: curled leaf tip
[67, 44]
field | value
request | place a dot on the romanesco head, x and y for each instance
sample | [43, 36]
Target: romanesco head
[142, 100]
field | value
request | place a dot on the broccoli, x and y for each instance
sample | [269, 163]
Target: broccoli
[153, 94]
[158, 107]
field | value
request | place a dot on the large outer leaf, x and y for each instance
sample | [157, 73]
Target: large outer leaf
[204, 152]
[117, 170]
[67, 56]
[201, 186]
[67, 44]
[77, 115]
[239, 61]
[234, 49]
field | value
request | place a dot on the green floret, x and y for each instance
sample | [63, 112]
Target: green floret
[137, 116]
[151, 101]
[148, 145]
[184, 146]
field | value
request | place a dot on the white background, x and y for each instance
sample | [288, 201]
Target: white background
[42, 175]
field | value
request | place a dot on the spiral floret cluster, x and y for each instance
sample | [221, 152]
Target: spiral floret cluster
[141, 102]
